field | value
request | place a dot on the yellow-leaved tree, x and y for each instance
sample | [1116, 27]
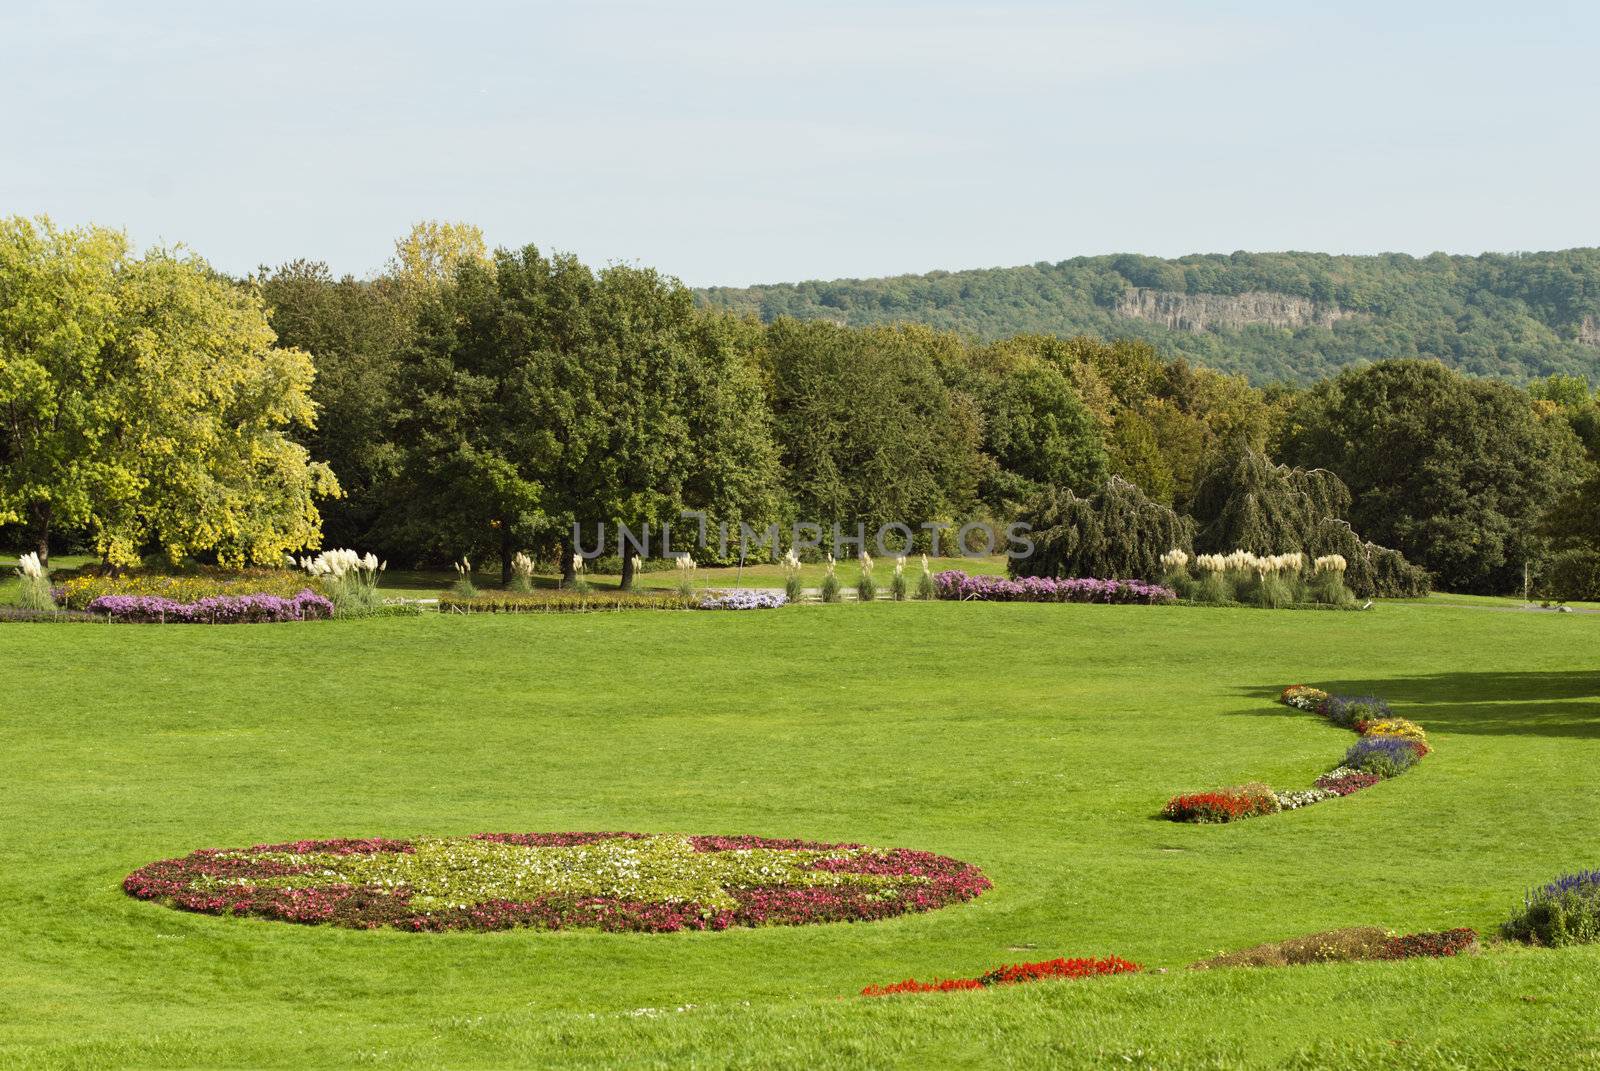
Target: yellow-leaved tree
[155, 412]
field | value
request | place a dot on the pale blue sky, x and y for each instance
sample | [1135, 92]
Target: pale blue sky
[746, 142]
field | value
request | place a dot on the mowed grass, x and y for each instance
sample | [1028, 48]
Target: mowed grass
[1037, 741]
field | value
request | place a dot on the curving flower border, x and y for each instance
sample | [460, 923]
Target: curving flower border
[217, 881]
[1386, 747]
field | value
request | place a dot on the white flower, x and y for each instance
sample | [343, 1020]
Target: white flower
[28, 565]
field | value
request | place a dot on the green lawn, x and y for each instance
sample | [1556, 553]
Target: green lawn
[1036, 741]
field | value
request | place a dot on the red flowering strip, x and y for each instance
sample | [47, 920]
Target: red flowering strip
[1221, 805]
[1445, 943]
[246, 883]
[340, 846]
[746, 843]
[1012, 974]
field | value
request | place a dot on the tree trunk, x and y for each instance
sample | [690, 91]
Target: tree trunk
[627, 569]
[41, 531]
[568, 575]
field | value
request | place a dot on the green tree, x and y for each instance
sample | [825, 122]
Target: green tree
[356, 331]
[1455, 473]
[1116, 533]
[868, 432]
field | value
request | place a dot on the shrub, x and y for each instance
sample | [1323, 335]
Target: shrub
[1330, 946]
[897, 583]
[1571, 575]
[1302, 697]
[1012, 974]
[1117, 531]
[1346, 711]
[1383, 756]
[1222, 805]
[1342, 781]
[1564, 912]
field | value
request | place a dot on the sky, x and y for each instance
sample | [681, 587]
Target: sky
[730, 144]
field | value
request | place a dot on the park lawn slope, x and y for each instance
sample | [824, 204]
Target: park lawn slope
[1036, 741]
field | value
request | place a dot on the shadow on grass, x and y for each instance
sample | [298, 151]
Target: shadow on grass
[1556, 704]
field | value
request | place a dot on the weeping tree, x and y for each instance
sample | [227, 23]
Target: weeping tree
[1117, 532]
[1245, 502]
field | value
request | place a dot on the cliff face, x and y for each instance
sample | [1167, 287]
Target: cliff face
[1589, 331]
[1202, 312]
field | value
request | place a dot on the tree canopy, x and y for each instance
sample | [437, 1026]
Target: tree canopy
[146, 404]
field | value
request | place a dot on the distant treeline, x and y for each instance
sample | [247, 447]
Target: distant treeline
[481, 404]
[1518, 317]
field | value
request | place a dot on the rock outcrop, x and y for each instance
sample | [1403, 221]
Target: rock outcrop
[1204, 312]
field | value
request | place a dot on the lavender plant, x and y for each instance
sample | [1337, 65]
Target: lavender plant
[1564, 912]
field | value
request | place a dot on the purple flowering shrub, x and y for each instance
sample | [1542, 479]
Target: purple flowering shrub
[1564, 912]
[1383, 756]
[214, 609]
[955, 584]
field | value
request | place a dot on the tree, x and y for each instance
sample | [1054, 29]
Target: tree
[543, 395]
[1455, 473]
[355, 331]
[1036, 431]
[868, 432]
[58, 313]
[434, 251]
[1116, 533]
[1245, 502]
[146, 402]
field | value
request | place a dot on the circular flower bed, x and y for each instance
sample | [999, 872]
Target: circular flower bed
[655, 883]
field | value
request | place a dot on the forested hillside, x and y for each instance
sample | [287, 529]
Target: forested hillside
[1274, 317]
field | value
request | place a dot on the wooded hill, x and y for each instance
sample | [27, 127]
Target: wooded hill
[1274, 317]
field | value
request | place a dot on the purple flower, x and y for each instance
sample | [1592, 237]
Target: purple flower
[955, 584]
[214, 609]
